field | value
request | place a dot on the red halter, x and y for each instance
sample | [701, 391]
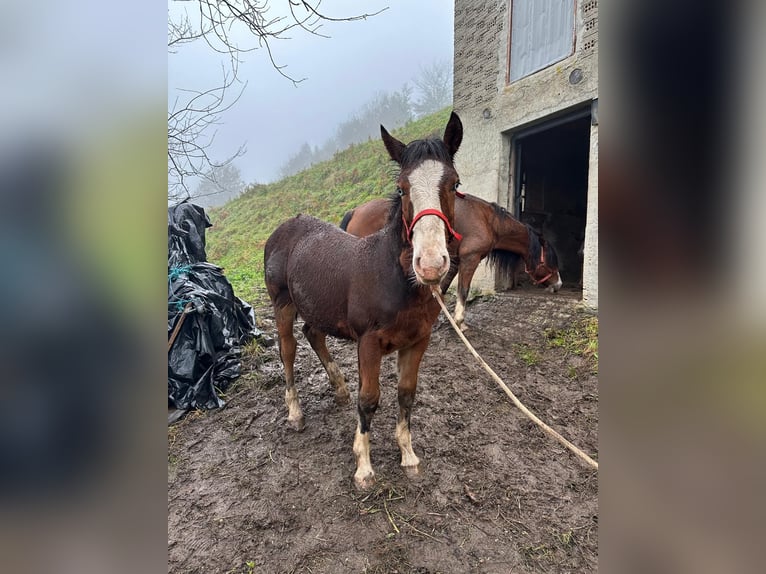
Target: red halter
[425, 212]
[542, 262]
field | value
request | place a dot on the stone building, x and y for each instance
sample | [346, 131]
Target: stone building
[526, 89]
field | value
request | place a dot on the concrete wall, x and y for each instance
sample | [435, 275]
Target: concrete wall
[480, 26]
[491, 109]
[590, 257]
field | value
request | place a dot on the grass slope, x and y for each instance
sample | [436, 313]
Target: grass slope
[326, 190]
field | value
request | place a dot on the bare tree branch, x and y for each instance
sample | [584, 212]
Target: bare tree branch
[218, 23]
[191, 132]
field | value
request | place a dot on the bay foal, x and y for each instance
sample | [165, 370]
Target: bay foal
[375, 290]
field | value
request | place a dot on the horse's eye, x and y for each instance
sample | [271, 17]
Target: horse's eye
[457, 184]
[400, 191]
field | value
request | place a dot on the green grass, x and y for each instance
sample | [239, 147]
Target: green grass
[528, 354]
[326, 190]
[580, 339]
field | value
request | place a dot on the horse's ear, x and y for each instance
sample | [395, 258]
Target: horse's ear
[394, 146]
[453, 134]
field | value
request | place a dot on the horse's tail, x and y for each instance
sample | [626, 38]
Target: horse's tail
[503, 263]
[346, 218]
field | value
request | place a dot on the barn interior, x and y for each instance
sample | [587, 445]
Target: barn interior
[551, 186]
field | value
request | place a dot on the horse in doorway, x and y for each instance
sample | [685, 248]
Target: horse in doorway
[488, 230]
[375, 291]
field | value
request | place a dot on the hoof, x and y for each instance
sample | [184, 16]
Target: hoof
[463, 327]
[342, 399]
[297, 424]
[413, 472]
[364, 482]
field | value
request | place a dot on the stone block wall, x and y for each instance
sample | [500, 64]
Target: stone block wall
[491, 108]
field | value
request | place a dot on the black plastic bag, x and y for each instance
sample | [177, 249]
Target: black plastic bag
[207, 323]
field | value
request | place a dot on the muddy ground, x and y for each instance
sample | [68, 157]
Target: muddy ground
[246, 494]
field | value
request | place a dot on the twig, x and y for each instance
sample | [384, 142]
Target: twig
[390, 518]
[424, 533]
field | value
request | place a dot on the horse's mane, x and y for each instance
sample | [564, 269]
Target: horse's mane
[504, 262]
[346, 219]
[535, 246]
[550, 255]
[394, 219]
[501, 212]
[431, 148]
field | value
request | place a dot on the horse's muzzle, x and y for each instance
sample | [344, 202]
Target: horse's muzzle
[555, 285]
[431, 271]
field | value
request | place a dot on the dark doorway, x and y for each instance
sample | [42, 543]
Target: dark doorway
[551, 186]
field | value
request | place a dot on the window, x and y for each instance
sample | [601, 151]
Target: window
[542, 32]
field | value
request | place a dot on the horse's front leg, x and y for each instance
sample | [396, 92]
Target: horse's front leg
[408, 363]
[453, 269]
[369, 356]
[468, 265]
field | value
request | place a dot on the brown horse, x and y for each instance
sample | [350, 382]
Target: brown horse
[376, 290]
[488, 230]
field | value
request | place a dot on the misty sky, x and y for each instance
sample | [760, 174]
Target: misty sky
[273, 117]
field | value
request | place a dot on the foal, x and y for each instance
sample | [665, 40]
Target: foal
[376, 290]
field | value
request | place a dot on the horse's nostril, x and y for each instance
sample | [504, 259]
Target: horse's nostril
[417, 262]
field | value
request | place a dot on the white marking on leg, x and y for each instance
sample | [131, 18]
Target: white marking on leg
[333, 372]
[364, 474]
[337, 381]
[404, 439]
[459, 311]
[294, 413]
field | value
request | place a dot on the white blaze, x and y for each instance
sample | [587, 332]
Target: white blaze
[429, 244]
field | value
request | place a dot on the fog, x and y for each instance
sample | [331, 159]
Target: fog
[274, 117]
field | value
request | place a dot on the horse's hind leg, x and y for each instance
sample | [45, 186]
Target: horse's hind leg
[285, 317]
[408, 363]
[318, 341]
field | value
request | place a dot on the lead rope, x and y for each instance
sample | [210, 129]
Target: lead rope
[548, 430]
